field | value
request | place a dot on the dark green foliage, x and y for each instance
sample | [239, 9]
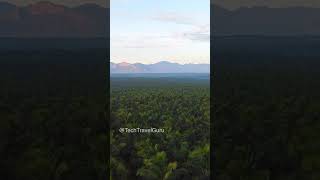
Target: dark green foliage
[181, 107]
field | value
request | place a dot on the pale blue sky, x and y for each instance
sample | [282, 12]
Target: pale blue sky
[148, 31]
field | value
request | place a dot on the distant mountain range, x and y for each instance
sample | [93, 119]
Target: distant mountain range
[46, 19]
[160, 67]
[265, 21]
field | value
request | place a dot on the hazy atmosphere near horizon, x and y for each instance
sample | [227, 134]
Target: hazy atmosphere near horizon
[149, 31]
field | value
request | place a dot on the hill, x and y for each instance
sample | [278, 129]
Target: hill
[160, 67]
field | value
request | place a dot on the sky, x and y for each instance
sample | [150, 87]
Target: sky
[149, 31]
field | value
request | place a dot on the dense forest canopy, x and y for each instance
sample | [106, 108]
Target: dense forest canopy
[181, 106]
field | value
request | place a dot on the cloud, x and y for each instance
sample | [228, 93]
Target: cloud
[199, 33]
[171, 17]
[139, 41]
[156, 41]
[179, 37]
[196, 36]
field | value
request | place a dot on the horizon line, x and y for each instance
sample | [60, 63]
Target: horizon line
[159, 62]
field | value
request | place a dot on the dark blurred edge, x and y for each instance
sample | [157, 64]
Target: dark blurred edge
[54, 108]
[212, 70]
[264, 106]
